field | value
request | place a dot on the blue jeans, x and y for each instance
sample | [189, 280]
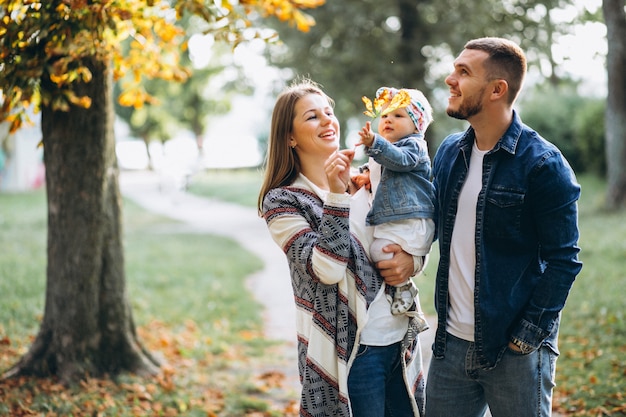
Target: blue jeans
[519, 385]
[375, 384]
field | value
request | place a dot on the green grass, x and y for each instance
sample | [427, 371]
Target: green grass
[178, 276]
[591, 371]
[237, 186]
[171, 274]
[22, 262]
[190, 304]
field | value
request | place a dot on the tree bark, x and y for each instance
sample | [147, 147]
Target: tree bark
[414, 36]
[87, 326]
[615, 19]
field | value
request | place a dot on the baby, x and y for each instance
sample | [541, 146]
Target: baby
[400, 181]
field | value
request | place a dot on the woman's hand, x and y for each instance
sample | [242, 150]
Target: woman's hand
[337, 168]
[398, 269]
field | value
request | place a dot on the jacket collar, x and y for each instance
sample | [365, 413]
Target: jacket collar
[508, 142]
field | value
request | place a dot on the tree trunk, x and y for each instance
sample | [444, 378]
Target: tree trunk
[87, 326]
[414, 36]
[615, 19]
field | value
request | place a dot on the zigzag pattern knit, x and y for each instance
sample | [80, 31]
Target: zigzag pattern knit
[316, 237]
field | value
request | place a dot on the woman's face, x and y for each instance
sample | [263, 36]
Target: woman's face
[315, 130]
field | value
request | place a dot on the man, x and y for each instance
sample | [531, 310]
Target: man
[508, 233]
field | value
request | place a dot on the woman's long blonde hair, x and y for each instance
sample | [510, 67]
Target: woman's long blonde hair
[282, 164]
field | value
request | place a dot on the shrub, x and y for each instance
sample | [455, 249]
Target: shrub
[575, 124]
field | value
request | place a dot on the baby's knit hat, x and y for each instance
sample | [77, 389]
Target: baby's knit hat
[419, 108]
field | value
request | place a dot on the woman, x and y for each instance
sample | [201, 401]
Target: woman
[348, 340]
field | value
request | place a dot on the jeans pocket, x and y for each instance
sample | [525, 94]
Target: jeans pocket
[362, 350]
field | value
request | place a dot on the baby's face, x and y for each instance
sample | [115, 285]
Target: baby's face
[395, 125]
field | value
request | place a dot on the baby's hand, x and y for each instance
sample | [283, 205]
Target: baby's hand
[362, 180]
[366, 134]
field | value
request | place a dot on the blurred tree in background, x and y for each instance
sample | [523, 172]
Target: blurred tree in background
[359, 45]
[572, 122]
[615, 18]
[186, 106]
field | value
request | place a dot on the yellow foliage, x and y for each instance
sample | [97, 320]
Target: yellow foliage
[59, 79]
[132, 97]
[84, 101]
[377, 108]
[303, 21]
[79, 29]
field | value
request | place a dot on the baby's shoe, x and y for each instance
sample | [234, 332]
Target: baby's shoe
[403, 298]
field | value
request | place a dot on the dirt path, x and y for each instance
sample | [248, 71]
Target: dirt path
[271, 286]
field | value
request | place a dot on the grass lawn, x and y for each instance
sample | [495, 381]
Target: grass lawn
[591, 370]
[190, 305]
[237, 186]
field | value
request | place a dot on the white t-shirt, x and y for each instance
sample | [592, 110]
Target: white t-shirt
[382, 328]
[461, 279]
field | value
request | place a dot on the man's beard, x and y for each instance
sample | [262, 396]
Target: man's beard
[470, 108]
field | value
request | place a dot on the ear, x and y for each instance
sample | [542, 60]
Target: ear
[500, 89]
[292, 142]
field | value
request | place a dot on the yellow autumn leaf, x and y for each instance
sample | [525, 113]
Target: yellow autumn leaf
[84, 73]
[400, 100]
[84, 101]
[385, 95]
[59, 79]
[310, 4]
[303, 21]
[166, 32]
[369, 109]
[61, 9]
[368, 103]
[129, 97]
[378, 104]
[15, 125]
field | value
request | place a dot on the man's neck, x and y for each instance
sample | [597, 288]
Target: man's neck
[490, 127]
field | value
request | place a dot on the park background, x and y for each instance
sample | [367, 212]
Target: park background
[218, 344]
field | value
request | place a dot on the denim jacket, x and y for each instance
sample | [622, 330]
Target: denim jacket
[526, 239]
[405, 190]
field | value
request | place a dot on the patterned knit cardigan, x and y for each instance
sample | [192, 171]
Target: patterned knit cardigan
[333, 285]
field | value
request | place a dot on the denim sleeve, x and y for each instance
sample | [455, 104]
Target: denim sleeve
[403, 156]
[553, 196]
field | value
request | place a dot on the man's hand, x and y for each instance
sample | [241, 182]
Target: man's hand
[514, 347]
[398, 269]
[362, 180]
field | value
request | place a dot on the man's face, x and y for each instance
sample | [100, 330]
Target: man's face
[468, 84]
